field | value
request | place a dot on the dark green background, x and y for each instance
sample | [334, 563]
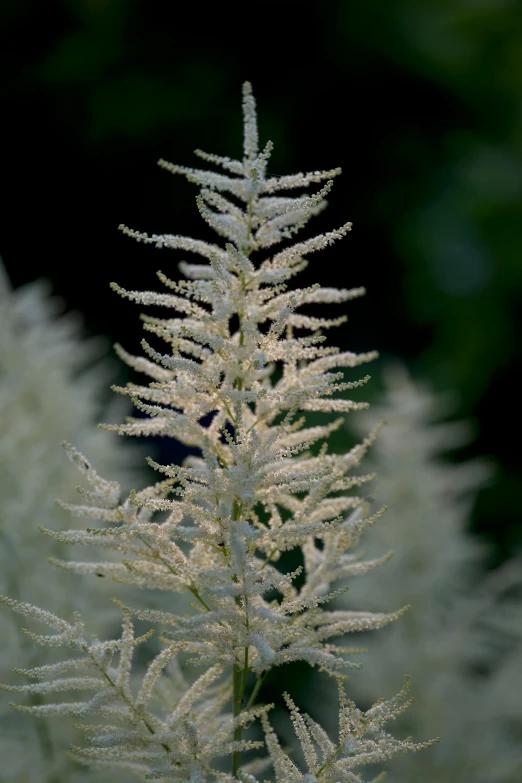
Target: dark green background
[420, 103]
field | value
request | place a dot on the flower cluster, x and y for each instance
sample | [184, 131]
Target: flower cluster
[465, 621]
[52, 385]
[242, 370]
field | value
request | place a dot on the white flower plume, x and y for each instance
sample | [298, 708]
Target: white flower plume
[242, 368]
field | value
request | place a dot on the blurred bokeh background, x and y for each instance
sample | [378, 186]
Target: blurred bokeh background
[419, 102]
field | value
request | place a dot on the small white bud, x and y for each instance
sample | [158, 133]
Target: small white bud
[258, 360]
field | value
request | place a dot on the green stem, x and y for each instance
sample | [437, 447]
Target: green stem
[256, 689]
[328, 761]
[269, 558]
[240, 677]
[200, 599]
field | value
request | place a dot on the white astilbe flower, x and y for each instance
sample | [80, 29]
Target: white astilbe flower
[169, 730]
[465, 624]
[362, 740]
[242, 363]
[52, 381]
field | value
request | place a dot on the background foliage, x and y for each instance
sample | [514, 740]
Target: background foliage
[417, 100]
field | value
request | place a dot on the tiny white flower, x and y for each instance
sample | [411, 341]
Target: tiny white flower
[243, 369]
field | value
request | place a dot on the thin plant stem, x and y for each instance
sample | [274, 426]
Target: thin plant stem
[240, 677]
[256, 689]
